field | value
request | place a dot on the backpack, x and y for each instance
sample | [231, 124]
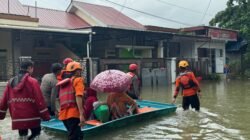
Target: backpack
[186, 81]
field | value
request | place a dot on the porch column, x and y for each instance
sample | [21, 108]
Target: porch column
[195, 53]
[173, 69]
[160, 49]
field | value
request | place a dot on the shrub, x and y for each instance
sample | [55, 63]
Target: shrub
[215, 77]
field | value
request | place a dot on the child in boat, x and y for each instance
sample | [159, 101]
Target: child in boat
[118, 104]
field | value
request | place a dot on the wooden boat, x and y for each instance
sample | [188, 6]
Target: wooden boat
[147, 110]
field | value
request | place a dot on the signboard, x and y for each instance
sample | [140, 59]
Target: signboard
[222, 34]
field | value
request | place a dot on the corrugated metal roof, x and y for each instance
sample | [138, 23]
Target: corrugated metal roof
[47, 17]
[109, 15]
[15, 7]
[57, 19]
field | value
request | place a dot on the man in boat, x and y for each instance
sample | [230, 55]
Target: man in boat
[134, 88]
[25, 101]
[71, 92]
[48, 87]
[187, 83]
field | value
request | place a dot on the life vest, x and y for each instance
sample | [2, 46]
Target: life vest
[186, 81]
[67, 97]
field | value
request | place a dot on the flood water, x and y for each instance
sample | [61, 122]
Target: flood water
[224, 115]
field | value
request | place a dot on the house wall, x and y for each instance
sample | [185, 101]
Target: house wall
[220, 53]
[187, 49]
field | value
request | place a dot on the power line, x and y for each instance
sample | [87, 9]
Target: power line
[145, 13]
[205, 11]
[181, 7]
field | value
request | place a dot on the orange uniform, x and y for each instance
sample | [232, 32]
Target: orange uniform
[73, 112]
[188, 83]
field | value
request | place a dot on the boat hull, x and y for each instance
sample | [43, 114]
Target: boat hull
[159, 109]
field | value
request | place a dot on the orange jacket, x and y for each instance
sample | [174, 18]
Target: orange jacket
[187, 89]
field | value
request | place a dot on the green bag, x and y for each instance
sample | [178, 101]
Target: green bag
[102, 113]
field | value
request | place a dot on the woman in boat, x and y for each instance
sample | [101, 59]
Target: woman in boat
[90, 98]
[118, 104]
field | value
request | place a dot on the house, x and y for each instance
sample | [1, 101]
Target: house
[215, 49]
[104, 38]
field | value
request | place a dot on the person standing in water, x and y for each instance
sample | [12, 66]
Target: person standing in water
[25, 101]
[187, 83]
[134, 88]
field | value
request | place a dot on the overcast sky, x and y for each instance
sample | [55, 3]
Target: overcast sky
[186, 12]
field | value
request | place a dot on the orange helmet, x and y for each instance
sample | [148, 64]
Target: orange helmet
[72, 66]
[133, 67]
[67, 61]
[183, 63]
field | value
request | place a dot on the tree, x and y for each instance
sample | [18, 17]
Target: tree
[236, 16]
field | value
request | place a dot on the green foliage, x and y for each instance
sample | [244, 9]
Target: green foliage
[247, 73]
[214, 77]
[236, 16]
[235, 66]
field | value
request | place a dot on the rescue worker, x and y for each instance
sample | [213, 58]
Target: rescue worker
[134, 88]
[66, 61]
[64, 74]
[187, 83]
[71, 91]
[48, 87]
[25, 101]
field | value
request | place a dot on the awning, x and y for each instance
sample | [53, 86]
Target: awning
[236, 45]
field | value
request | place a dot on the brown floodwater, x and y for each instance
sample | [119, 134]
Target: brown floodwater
[224, 115]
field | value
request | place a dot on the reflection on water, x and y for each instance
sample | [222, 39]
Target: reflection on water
[225, 109]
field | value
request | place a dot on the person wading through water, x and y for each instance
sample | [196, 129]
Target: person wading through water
[48, 87]
[71, 92]
[134, 88]
[25, 101]
[187, 83]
